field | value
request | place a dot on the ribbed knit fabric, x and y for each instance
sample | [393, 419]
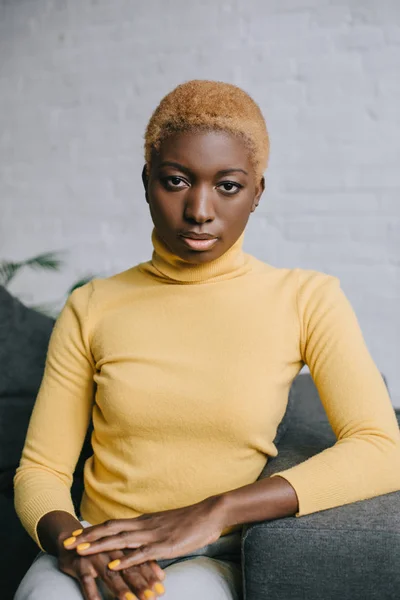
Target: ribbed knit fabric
[186, 371]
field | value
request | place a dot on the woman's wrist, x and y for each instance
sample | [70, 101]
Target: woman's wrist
[53, 528]
[220, 509]
[266, 499]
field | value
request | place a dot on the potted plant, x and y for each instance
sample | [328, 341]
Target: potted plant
[49, 261]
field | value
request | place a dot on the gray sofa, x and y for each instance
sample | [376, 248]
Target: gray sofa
[346, 553]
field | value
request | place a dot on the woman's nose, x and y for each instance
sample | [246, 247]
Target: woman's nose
[199, 204]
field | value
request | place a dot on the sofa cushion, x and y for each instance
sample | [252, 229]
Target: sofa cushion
[19, 551]
[24, 338]
[286, 421]
[15, 412]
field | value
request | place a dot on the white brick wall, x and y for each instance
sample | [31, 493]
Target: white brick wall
[79, 81]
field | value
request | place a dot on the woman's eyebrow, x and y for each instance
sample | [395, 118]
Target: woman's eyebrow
[226, 171]
[176, 165]
[169, 163]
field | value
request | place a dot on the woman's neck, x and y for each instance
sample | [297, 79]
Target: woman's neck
[168, 266]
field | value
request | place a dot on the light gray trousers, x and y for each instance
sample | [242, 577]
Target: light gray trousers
[210, 573]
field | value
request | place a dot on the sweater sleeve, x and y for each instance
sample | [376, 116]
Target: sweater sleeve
[365, 460]
[60, 418]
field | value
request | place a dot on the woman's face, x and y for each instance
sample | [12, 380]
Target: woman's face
[204, 184]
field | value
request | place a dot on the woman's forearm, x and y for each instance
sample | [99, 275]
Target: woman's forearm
[53, 526]
[265, 499]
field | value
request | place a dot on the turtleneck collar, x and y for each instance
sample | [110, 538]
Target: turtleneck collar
[172, 269]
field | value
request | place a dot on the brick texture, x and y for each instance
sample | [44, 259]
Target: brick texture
[79, 80]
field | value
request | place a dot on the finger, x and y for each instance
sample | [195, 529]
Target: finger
[158, 571]
[106, 529]
[153, 580]
[117, 585]
[138, 583]
[138, 557]
[98, 564]
[89, 586]
[120, 541]
[144, 580]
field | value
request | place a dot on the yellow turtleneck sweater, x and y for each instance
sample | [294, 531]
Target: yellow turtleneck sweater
[186, 370]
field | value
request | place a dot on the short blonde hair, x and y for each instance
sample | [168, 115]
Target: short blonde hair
[201, 105]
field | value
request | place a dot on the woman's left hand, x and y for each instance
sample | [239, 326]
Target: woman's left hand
[166, 534]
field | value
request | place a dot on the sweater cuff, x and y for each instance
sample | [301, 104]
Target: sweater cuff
[43, 503]
[312, 498]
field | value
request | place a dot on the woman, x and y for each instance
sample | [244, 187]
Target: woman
[185, 363]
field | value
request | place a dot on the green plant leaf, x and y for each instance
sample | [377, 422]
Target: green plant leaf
[80, 283]
[47, 260]
[8, 270]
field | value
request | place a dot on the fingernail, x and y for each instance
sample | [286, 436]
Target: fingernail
[84, 546]
[113, 564]
[148, 594]
[159, 588]
[77, 532]
[69, 541]
[130, 596]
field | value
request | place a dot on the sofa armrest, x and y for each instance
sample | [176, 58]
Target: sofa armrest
[348, 552]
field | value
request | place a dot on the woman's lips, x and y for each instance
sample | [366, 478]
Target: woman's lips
[199, 244]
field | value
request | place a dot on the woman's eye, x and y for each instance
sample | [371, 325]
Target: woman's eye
[230, 187]
[174, 182]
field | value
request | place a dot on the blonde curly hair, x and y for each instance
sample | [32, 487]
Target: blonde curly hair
[201, 105]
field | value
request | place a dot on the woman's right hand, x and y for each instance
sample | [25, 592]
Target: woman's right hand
[141, 581]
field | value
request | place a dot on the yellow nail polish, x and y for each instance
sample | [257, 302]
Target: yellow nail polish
[84, 546]
[77, 532]
[148, 594]
[130, 596]
[69, 541]
[159, 588]
[113, 564]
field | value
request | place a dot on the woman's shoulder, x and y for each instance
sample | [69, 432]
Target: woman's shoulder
[302, 281]
[100, 291]
[117, 282]
[297, 275]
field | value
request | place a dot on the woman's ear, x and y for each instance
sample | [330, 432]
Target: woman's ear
[259, 191]
[145, 180]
